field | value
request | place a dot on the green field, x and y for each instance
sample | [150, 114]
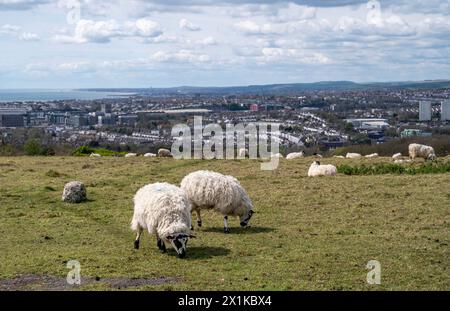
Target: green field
[307, 234]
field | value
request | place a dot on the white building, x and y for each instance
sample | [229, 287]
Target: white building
[445, 110]
[424, 111]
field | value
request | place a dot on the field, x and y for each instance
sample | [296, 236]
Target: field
[307, 234]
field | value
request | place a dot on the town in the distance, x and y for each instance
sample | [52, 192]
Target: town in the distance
[313, 117]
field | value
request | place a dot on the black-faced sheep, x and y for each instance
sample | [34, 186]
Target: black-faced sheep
[316, 169]
[164, 210]
[223, 193]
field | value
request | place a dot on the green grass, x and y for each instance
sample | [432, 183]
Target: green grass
[307, 234]
[437, 167]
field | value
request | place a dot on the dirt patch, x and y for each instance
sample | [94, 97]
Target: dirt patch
[54, 283]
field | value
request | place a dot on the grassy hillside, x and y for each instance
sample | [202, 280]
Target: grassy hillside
[307, 234]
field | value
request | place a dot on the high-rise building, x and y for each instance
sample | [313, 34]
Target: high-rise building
[106, 108]
[445, 110]
[12, 117]
[425, 111]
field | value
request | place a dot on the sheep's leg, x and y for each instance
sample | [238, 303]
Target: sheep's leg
[161, 245]
[138, 237]
[199, 218]
[226, 229]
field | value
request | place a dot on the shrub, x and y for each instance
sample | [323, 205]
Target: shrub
[389, 168]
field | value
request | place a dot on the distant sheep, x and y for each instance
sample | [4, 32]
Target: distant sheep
[95, 155]
[403, 161]
[164, 210]
[74, 192]
[339, 157]
[243, 153]
[316, 169]
[317, 155]
[130, 155]
[295, 155]
[372, 156]
[276, 155]
[397, 156]
[164, 153]
[150, 155]
[421, 151]
[353, 156]
[223, 193]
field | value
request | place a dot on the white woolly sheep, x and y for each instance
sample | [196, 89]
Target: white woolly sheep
[149, 155]
[295, 155]
[74, 192]
[243, 153]
[130, 155]
[397, 156]
[353, 156]
[164, 210]
[223, 193]
[316, 169]
[372, 156]
[95, 155]
[317, 155]
[400, 161]
[339, 157]
[421, 151]
[164, 153]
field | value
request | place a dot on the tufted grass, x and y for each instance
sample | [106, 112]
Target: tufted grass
[307, 234]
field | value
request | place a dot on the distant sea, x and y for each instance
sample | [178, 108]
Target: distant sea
[50, 95]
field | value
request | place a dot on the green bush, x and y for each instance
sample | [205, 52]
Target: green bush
[85, 151]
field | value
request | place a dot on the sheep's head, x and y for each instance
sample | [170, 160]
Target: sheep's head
[431, 157]
[244, 219]
[316, 163]
[179, 243]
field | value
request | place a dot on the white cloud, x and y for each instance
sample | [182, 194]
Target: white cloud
[188, 56]
[187, 25]
[105, 31]
[16, 31]
[20, 4]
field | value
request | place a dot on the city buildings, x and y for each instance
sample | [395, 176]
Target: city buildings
[424, 111]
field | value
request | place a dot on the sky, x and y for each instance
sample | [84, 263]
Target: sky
[162, 43]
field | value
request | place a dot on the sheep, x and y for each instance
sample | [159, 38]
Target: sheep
[317, 155]
[95, 155]
[243, 153]
[276, 155]
[130, 155]
[164, 153]
[149, 155]
[400, 161]
[339, 157]
[316, 169]
[372, 156]
[353, 156]
[295, 155]
[397, 156]
[223, 193]
[164, 210]
[421, 151]
[74, 192]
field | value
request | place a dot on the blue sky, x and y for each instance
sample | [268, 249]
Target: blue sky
[160, 43]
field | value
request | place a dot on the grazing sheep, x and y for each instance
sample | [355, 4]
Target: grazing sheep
[95, 155]
[317, 155]
[164, 153]
[397, 156]
[149, 155]
[372, 156]
[421, 151]
[295, 155]
[339, 157]
[276, 155]
[211, 190]
[400, 161]
[130, 155]
[243, 153]
[74, 192]
[164, 210]
[353, 156]
[316, 169]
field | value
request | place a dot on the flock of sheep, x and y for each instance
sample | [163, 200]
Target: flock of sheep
[165, 210]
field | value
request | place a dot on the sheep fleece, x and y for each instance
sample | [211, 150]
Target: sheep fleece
[162, 209]
[211, 190]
